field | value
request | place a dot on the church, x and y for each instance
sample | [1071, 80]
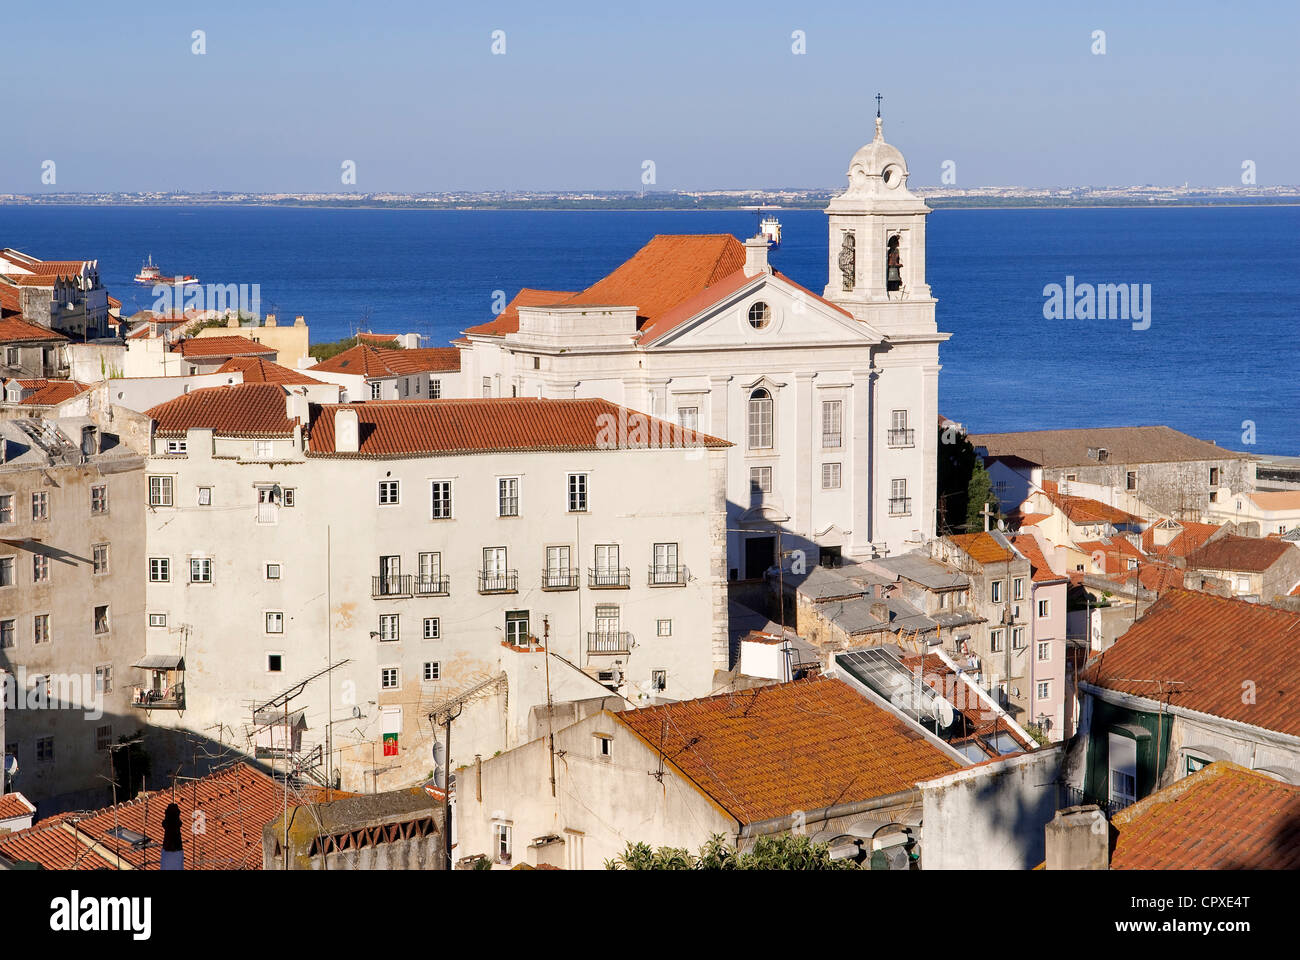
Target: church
[830, 400]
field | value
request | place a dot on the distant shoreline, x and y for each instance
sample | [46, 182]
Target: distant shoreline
[609, 208]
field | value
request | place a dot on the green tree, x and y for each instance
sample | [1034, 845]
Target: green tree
[784, 852]
[979, 491]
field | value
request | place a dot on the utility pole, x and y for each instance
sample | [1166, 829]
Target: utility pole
[550, 729]
[444, 718]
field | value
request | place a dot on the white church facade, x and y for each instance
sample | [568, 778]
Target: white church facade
[830, 400]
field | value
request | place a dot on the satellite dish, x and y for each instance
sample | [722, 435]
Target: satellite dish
[11, 765]
[356, 713]
[942, 712]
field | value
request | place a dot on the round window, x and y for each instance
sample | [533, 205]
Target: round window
[760, 315]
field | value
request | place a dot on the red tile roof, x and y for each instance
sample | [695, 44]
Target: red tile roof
[221, 347]
[1041, 570]
[1192, 638]
[1232, 552]
[17, 330]
[395, 428]
[983, 547]
[1085, 509]
[238, 410]
[55, 391]
[15, 805]
[377, 363]
[507, 321]
[423, 360]
[378, 337]
[10, 301]
[769, 751]
[235, 804]
[1223, 817]
[260, 370]
[1186, 541]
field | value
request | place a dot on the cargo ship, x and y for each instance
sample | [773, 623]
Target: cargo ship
[152, 275]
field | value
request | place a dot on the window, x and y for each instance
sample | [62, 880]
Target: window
[40, 506]
[517, 627]
[900, 503]
[665, 628]
[430, 573]
[274, 662]
[760, 315]
[996, 640]
[274, 621]
[200, 570]
[273, 571]
[389, 492]
[1214, 476]
[176, 446]
[830, 476]
[376, 389]
[7, 635]
[760, 480]
[607, 566]
[432, 670]
[494, 565]
[832, 423]
[157, 619]
[508, 497]
[1045, 690]
[441, 500]
[1214, 496]
[501, 841]
[99, 499]
[435, 389]
[665, 565]
[104, 678]
[263, 449]
[390, 678]
[6, 508]
[40, 568]
[604, 747]
[1044, 651]
[103, 737]
[995, 591]
[558, 567]
[1131, 480]
[101, 619]
[45, 749]
[160, 570]
[1243, 585]
[487, 386]
[390, 627]
[1122, 765]
[99, 552]
[1044, 608]
[1194, 764]
[760, 420]
[659, 680]
[6, 571]
[1017, 638]
[160, 491]
[1018, 588]
[689, 418]
[205, 496]
[432, 630]
[577, 493]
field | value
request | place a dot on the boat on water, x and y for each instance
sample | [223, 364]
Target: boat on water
[151, 274]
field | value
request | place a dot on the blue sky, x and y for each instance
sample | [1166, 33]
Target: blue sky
[711, 92]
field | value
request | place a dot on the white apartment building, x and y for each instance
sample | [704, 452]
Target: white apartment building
[830, 401]
[380, 560]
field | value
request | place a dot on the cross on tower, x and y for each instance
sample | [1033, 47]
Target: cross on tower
[878, 99]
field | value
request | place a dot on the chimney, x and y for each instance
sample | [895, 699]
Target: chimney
[300, 321]
[1078, 838]
[296, 407]
[4, 450]
[232, 320]
[270, 320]
[880, 611]
[347, 431]
[756, 256]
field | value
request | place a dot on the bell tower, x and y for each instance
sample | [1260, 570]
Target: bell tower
[876, 253]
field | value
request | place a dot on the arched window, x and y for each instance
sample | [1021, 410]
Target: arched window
[760, 420]
[893, 265]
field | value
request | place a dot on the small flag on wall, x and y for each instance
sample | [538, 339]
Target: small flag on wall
[392, 728]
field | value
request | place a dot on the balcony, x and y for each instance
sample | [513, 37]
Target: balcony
[155, 698]
[391, 587]
[557, 579]
[609, 642]
[668, 576]
[831, 439]
[433, 586]
[902, 438]
[498, 581]
[900, 506]
[618, 578]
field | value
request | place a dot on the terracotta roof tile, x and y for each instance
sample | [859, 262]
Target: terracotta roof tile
[507, 321]
[1041, 570]
[1239, 553]
[1191, 637]
[378, 362]
[260, 370]
[55, 391]
[1223, 817]
[15, 805]
[983, 547]
[17, 330]
[221, 347]
[1191, 536]
[1069, 448]
[414, 427]
[238, 410]
[768, 751]
[1085, 509]
[423, 360]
